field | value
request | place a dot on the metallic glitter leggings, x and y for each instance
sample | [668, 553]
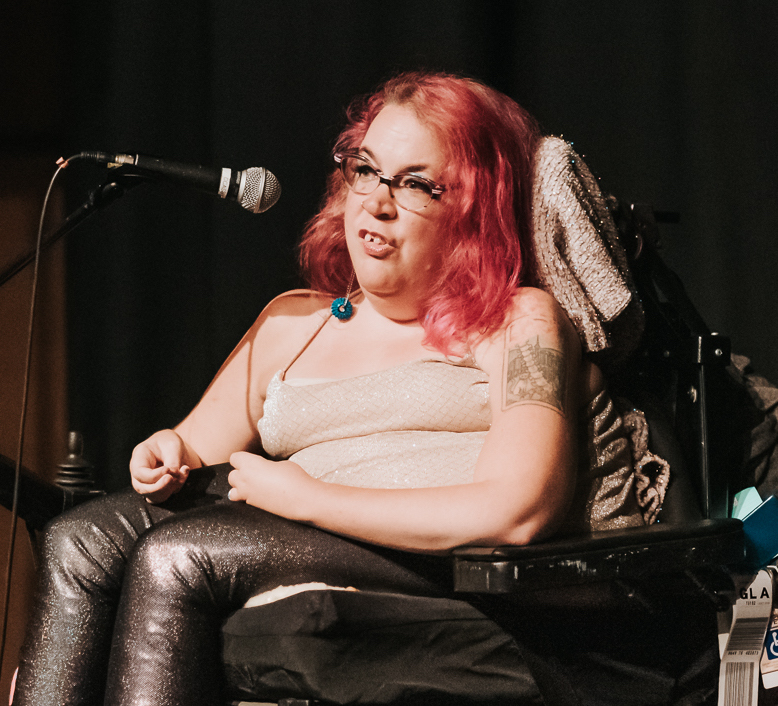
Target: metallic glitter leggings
[132, 595]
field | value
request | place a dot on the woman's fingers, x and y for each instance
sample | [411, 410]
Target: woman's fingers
[161, 453]
[235, 479]
[157, 467]
[247, 469]
[162, 488]
[240, 458]
[156, 492]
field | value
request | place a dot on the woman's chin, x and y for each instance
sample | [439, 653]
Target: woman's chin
[379, 283]
[379, 290]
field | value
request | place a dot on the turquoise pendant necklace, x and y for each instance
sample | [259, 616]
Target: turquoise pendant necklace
[342, 308]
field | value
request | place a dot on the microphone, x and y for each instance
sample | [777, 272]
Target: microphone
[256, 189]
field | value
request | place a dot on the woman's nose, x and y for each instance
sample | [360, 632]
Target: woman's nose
[380, 202]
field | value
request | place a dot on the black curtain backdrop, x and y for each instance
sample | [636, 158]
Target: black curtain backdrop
[671, 103]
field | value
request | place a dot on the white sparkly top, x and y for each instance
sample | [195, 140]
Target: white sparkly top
[418, 424]
[422, 424]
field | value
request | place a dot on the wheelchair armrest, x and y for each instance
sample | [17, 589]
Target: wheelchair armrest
[39, 501]
[632, 554]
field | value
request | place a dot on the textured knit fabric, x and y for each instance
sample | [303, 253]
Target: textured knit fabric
[581, 261]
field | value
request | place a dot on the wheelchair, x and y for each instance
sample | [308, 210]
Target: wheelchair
[614, 617]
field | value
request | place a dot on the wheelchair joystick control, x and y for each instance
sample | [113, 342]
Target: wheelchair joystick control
[75, 472]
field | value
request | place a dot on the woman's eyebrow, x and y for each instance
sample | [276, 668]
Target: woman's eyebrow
[366, 151]
[412, 168]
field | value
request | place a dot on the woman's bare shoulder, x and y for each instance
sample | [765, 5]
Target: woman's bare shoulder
[533, 311]
[533, 315]
[297, 302]
[534, 303]
[292, 310]
[284, 327]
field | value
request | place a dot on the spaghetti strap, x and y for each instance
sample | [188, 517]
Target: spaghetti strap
[303, 349]
[310, 340]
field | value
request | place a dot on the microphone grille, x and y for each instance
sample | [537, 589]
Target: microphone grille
[261, 190]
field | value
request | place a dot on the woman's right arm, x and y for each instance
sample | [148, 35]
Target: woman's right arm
[225, 419]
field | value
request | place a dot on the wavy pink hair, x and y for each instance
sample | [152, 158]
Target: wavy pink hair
[491, 142]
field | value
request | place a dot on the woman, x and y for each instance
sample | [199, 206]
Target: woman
[433, 404]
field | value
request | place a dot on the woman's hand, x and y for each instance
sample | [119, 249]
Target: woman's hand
[160, 465]
[280, 487]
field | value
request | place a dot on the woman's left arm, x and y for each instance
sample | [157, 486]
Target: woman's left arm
[524, 477]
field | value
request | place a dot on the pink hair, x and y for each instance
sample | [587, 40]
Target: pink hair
[491, 142]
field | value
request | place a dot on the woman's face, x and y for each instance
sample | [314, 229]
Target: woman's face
[397, 253]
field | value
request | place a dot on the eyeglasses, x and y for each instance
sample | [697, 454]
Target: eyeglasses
[411, 191]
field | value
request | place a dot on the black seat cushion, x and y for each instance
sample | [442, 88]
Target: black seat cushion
[366, 647]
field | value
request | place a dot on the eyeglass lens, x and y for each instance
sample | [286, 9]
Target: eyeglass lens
[410, 191]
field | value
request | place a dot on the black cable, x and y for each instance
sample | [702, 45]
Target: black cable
[23, 417]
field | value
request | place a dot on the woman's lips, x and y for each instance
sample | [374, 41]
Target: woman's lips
[375, 245]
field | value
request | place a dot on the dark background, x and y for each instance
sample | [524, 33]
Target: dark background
[672, 103]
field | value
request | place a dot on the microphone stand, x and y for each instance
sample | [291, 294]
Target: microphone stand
[118, 183]
[36, 501]
[40, 501]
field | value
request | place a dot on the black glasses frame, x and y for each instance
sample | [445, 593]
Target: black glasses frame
[435, 188]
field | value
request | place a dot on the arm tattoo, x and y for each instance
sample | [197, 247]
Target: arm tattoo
[534, 375]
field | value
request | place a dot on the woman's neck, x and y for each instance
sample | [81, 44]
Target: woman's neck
[366, 342]
[395, 309]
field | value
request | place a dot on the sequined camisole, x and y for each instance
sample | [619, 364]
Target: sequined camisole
[423, 424]
[418, 424]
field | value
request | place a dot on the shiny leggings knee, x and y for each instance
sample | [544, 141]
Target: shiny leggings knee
[132, 596]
